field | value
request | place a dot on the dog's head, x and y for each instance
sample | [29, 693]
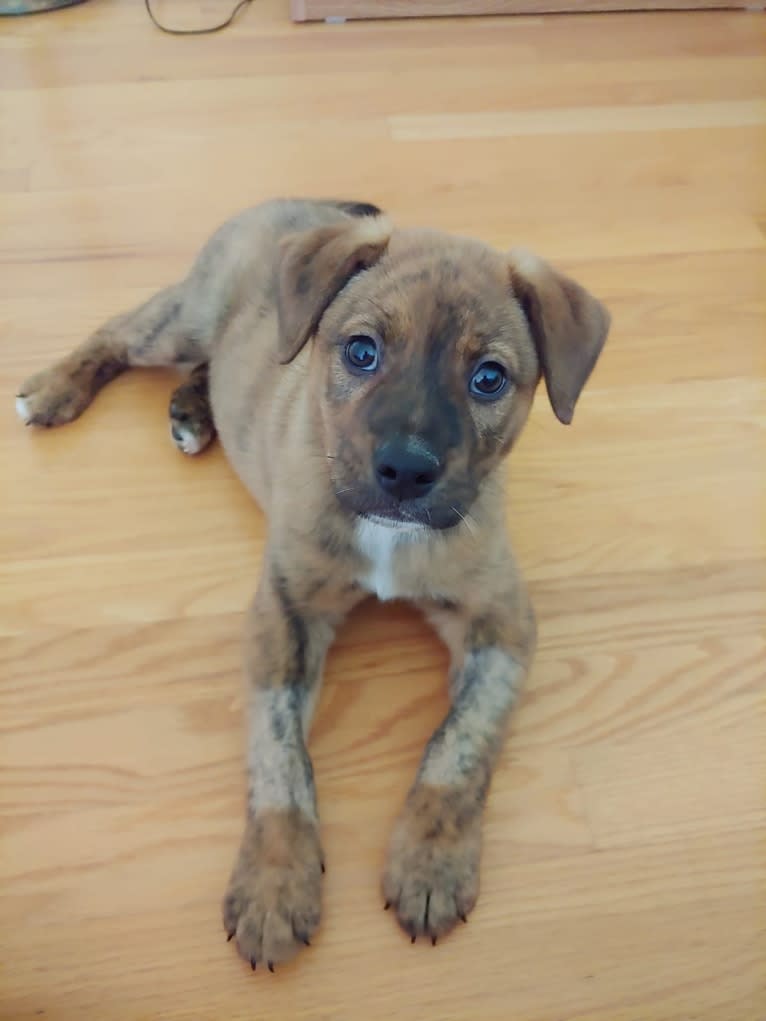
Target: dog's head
[427, 352]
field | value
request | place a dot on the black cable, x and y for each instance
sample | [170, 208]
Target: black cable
[196, 31]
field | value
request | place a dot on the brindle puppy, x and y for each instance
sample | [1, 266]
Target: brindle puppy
[377, 452]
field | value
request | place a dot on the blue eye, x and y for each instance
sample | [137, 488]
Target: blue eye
[361, 354]
[488, 380]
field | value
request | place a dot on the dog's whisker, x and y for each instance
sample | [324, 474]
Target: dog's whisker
[470, 525]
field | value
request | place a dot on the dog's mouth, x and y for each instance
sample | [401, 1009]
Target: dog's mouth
[410, 515]
[398, 522]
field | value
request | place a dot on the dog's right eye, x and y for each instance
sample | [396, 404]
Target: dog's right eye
[361, 354]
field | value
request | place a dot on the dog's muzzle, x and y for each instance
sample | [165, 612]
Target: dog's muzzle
[404, 485]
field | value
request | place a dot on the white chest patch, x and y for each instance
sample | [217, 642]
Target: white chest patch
[379, 541]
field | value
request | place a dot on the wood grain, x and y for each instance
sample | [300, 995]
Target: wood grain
[624, 862]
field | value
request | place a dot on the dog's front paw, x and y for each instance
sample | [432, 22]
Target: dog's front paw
[272, 904]
[431, 877]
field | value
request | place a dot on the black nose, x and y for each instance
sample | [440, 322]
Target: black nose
[405, 468]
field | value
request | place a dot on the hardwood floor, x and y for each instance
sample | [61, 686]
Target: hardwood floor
[624, 866]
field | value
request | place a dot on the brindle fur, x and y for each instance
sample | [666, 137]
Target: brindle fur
[300, 429]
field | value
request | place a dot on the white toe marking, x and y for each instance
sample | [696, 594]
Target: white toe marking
[187, 442]
[23, 410]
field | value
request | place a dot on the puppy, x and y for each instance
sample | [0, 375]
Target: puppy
[366, 383]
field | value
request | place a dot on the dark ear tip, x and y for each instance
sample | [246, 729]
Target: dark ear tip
[563, 406]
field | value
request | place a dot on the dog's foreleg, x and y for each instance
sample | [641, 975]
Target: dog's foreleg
[272, 904]
[432, 871]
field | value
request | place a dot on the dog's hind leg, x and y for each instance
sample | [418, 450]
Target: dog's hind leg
[191, 420]
[154, 334]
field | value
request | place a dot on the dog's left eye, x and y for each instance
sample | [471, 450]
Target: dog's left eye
[361, 353]
[488, 380]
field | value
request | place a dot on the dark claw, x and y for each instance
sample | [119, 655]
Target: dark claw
[253, 963]
[413, 939]
[323, 869]
[307, 941]
[462, 917]
[271, 967]
[433, 941]
[387, 905]
[230, 936]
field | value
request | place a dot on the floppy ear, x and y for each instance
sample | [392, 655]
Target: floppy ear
[314, 267]
[568, 325]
